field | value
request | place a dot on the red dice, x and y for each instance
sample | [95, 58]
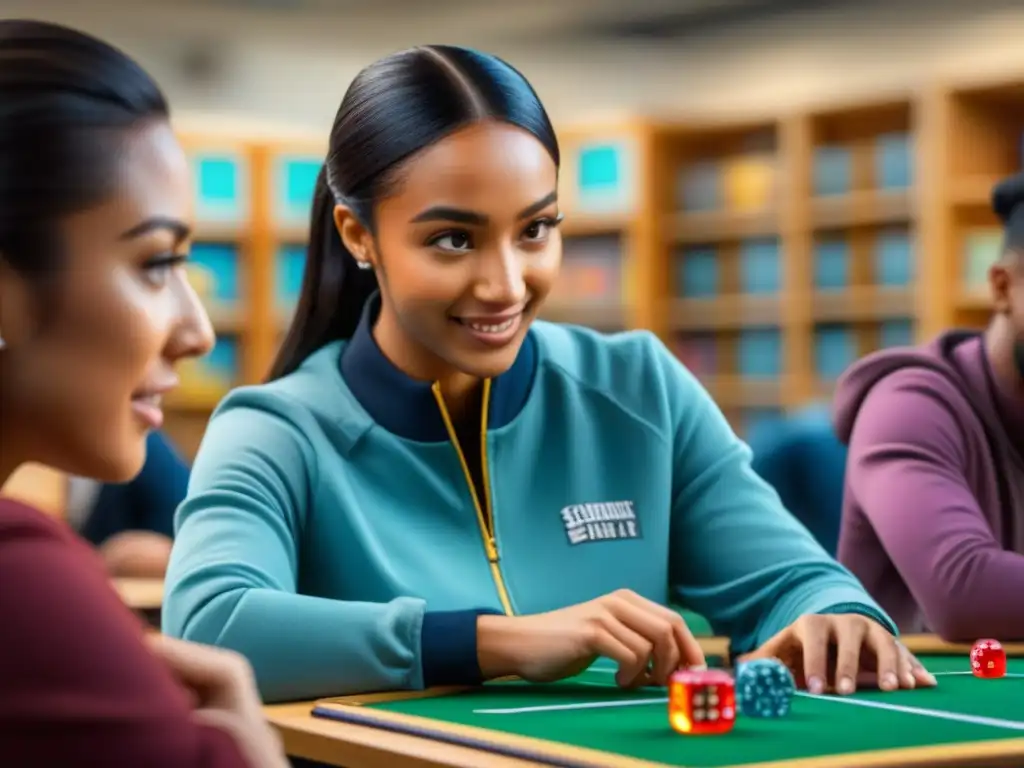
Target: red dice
[702, 702]
[988, 659]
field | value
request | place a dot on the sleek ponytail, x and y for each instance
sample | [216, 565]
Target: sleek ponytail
[393, 109]
[333, 292]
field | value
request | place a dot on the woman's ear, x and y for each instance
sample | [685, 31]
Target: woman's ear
[354, 236]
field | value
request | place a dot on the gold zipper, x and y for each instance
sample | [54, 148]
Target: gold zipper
[487, 531]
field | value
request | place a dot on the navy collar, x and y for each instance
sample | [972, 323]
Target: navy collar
[406, 407]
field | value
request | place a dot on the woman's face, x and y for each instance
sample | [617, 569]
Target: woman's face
[467, 249]
[89, 357]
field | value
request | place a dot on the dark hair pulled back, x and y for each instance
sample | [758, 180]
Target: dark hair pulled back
[66, 101]
[393, 109]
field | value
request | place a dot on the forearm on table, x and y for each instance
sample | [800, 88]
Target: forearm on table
[977, 592]
[939, 541]
[323, 647]
[136, 554]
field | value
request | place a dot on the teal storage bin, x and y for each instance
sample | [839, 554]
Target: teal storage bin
[603, 177]
[894, 161]
[831, 264]
[760, 267]
[835, 350]
[833, 173]
[894, 258]
[698, 273]
[295, 184]
[897, 333]
[221, 187]
[760, 353]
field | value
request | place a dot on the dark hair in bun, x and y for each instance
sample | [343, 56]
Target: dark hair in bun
[1008, 204]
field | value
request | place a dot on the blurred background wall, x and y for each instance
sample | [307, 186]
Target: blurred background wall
[287, 62]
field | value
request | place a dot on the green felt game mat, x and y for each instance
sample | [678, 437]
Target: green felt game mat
[589, 711]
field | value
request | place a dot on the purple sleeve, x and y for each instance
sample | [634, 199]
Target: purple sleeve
[906, 471]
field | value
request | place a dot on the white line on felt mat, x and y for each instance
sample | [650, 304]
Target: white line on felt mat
[936, 713]
[581, 705]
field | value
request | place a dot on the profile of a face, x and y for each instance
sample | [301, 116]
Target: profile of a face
[91, 353]
[466, 249]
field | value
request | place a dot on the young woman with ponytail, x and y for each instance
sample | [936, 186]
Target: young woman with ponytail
[434, 487]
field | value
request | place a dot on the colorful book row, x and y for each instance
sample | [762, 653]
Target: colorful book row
[699, 272]
[759, 351]
[834, 165]
[222, 184]
[748, 181]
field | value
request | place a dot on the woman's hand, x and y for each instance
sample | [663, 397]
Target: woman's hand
[648, 641]
[839, 652]
[224, 695]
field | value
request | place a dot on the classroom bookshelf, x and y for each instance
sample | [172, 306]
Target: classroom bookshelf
[722, 222]
[983, 142]
[608, 235]
[768, 253]
[801, 242]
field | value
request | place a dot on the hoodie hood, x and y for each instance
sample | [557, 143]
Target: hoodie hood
[857, 382]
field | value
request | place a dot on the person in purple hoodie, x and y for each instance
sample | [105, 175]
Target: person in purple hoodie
[933, 510]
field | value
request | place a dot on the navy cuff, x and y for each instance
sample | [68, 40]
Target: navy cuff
[448, 648]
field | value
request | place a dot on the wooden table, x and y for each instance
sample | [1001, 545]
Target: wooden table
[354, 746]
[358, 746]
[141, 594]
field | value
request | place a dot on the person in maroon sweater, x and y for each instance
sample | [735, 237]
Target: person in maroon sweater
[94, 313]
[933, 521]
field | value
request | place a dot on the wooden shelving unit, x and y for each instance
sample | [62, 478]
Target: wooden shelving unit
[980, 141]
[722, 220]
[769, 253]
[292, 170]
[797, 243]
[225, 271]
[861, 215]
[607, 234]
[252, 205]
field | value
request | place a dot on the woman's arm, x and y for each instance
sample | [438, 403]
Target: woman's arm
[737, 556]
[76, 676]
[232, 580]
[907, 472]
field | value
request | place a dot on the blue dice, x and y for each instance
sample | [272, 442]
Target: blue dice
[764, 688]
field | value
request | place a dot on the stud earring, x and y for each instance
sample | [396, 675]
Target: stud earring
[364, 265]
